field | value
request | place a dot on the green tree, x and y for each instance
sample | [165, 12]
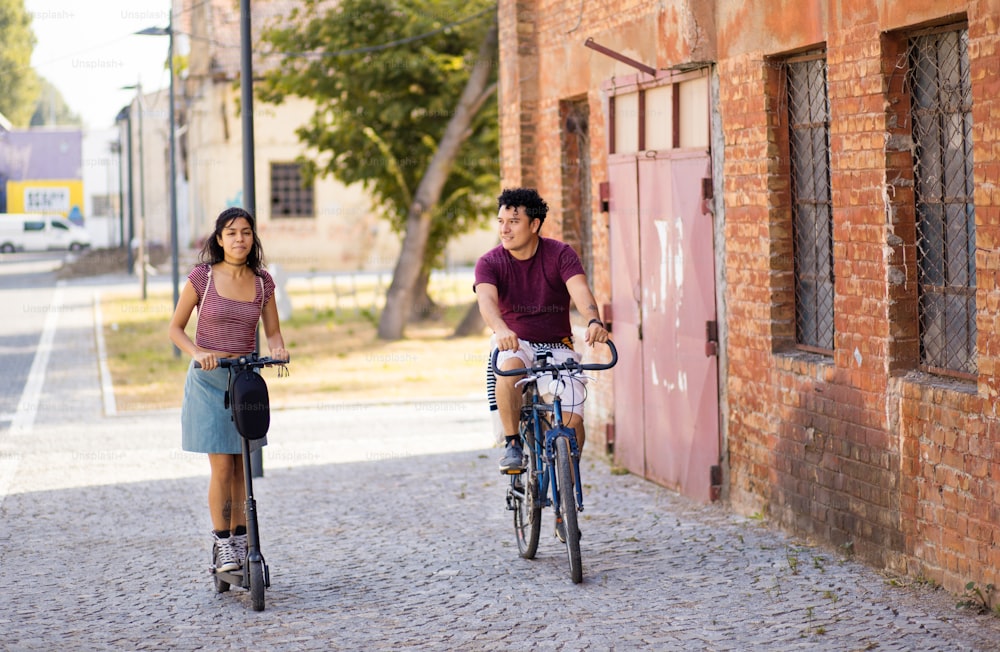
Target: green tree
[401, 89]
[18, 82]
[51, 108]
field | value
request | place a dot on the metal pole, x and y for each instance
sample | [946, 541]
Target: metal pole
[174, 271]
[142, 197]
[117, 148]
[131, 197]
[246, 111]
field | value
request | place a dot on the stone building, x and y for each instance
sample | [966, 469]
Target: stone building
[790, 214]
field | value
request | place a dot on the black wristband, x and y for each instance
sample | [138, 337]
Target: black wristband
[595, 321]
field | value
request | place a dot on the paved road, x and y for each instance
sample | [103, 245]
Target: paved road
[384, 529]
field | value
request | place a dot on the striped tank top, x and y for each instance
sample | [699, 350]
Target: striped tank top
[228, 325]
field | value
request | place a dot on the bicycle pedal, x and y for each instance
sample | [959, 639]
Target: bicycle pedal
[512, 472]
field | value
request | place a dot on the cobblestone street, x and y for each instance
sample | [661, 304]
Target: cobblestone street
[385, 528]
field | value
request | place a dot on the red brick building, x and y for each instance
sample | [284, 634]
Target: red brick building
[790, 212]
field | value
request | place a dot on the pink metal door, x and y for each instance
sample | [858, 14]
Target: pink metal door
[680, 379]
[623, 209]
[663, 298]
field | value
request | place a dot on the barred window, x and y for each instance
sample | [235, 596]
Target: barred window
[812, 224]
[941, 116]
[290, 197]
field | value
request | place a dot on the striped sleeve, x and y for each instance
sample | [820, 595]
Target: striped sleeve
[199, 279]
[268, 286]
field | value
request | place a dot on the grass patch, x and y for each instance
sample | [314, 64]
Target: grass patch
[336, 355]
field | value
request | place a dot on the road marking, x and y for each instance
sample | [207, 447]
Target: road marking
[8, 469]
[27, 407]
[107, 386]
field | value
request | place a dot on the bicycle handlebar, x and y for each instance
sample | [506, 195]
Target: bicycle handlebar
[250, 361]
[569, 365]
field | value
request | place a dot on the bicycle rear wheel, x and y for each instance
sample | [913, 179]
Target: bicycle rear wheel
[567, 504]
[527, 513]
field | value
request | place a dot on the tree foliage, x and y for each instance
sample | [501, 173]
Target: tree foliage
[18, 83]
[51, 108]
[386, 76]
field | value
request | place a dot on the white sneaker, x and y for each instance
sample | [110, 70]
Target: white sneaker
[239, 544]
[225, 556]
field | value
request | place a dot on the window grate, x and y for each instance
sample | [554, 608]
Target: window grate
[290, 197]
[940, 92]
[812, 224]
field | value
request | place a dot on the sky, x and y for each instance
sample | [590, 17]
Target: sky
[89, 51]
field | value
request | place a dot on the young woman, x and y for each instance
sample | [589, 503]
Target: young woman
[232, 291]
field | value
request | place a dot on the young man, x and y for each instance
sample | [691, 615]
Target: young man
[523, 287]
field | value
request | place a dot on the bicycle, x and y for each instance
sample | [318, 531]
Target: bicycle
[552, 475]
[254, 574]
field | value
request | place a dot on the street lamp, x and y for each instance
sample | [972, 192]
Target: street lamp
[174, 271]
[140, 109]
[126, 115]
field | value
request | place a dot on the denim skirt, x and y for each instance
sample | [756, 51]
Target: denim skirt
[206, 423]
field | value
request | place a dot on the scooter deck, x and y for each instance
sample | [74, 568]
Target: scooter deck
[233, 577]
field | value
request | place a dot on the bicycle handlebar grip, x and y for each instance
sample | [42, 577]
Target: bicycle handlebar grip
[501, 372]
[600, 367]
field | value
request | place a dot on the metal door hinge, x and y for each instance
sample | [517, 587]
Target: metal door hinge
[711, 338]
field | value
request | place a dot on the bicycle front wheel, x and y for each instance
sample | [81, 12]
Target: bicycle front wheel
[567, 504]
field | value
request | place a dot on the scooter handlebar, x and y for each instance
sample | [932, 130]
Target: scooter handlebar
[249, 361]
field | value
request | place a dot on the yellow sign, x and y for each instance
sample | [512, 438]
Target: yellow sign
[60, 196]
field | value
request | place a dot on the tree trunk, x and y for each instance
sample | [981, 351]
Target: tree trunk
[423, 307]
[472, 323]
[399, 297]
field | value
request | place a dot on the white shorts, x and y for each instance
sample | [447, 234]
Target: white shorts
[572, 392]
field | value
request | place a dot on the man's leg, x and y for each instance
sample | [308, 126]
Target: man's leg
[575, 421]
[509, 408]
[509, 397]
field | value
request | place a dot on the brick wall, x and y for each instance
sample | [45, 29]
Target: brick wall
[859, 449]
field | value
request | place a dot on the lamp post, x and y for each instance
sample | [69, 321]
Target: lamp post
[142, 186]
[174, 271]
[126, 115]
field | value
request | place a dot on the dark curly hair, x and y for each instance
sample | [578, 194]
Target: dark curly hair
[527, 197]
[212, 251]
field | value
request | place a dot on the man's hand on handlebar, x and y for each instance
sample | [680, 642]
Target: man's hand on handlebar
[506, 340]
[596, 332]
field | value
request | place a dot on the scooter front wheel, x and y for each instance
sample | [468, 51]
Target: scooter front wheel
[256, 584]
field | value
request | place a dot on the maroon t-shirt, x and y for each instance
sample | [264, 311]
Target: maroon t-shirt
[534, 301]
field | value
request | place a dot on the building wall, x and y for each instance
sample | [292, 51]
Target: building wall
[346, 232]
[859, 449]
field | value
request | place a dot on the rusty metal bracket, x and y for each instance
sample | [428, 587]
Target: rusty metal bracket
[617, 56]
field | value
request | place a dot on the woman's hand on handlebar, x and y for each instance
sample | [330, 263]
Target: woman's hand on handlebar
[206, 360]
[280, 354]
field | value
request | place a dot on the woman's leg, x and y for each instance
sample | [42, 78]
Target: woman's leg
[220, 492]
[238, 495]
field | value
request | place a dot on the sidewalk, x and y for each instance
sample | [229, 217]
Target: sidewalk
[385, 529]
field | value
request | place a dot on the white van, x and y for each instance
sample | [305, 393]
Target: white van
[40, 232]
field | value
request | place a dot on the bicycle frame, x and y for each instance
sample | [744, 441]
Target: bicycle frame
[544, 443]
